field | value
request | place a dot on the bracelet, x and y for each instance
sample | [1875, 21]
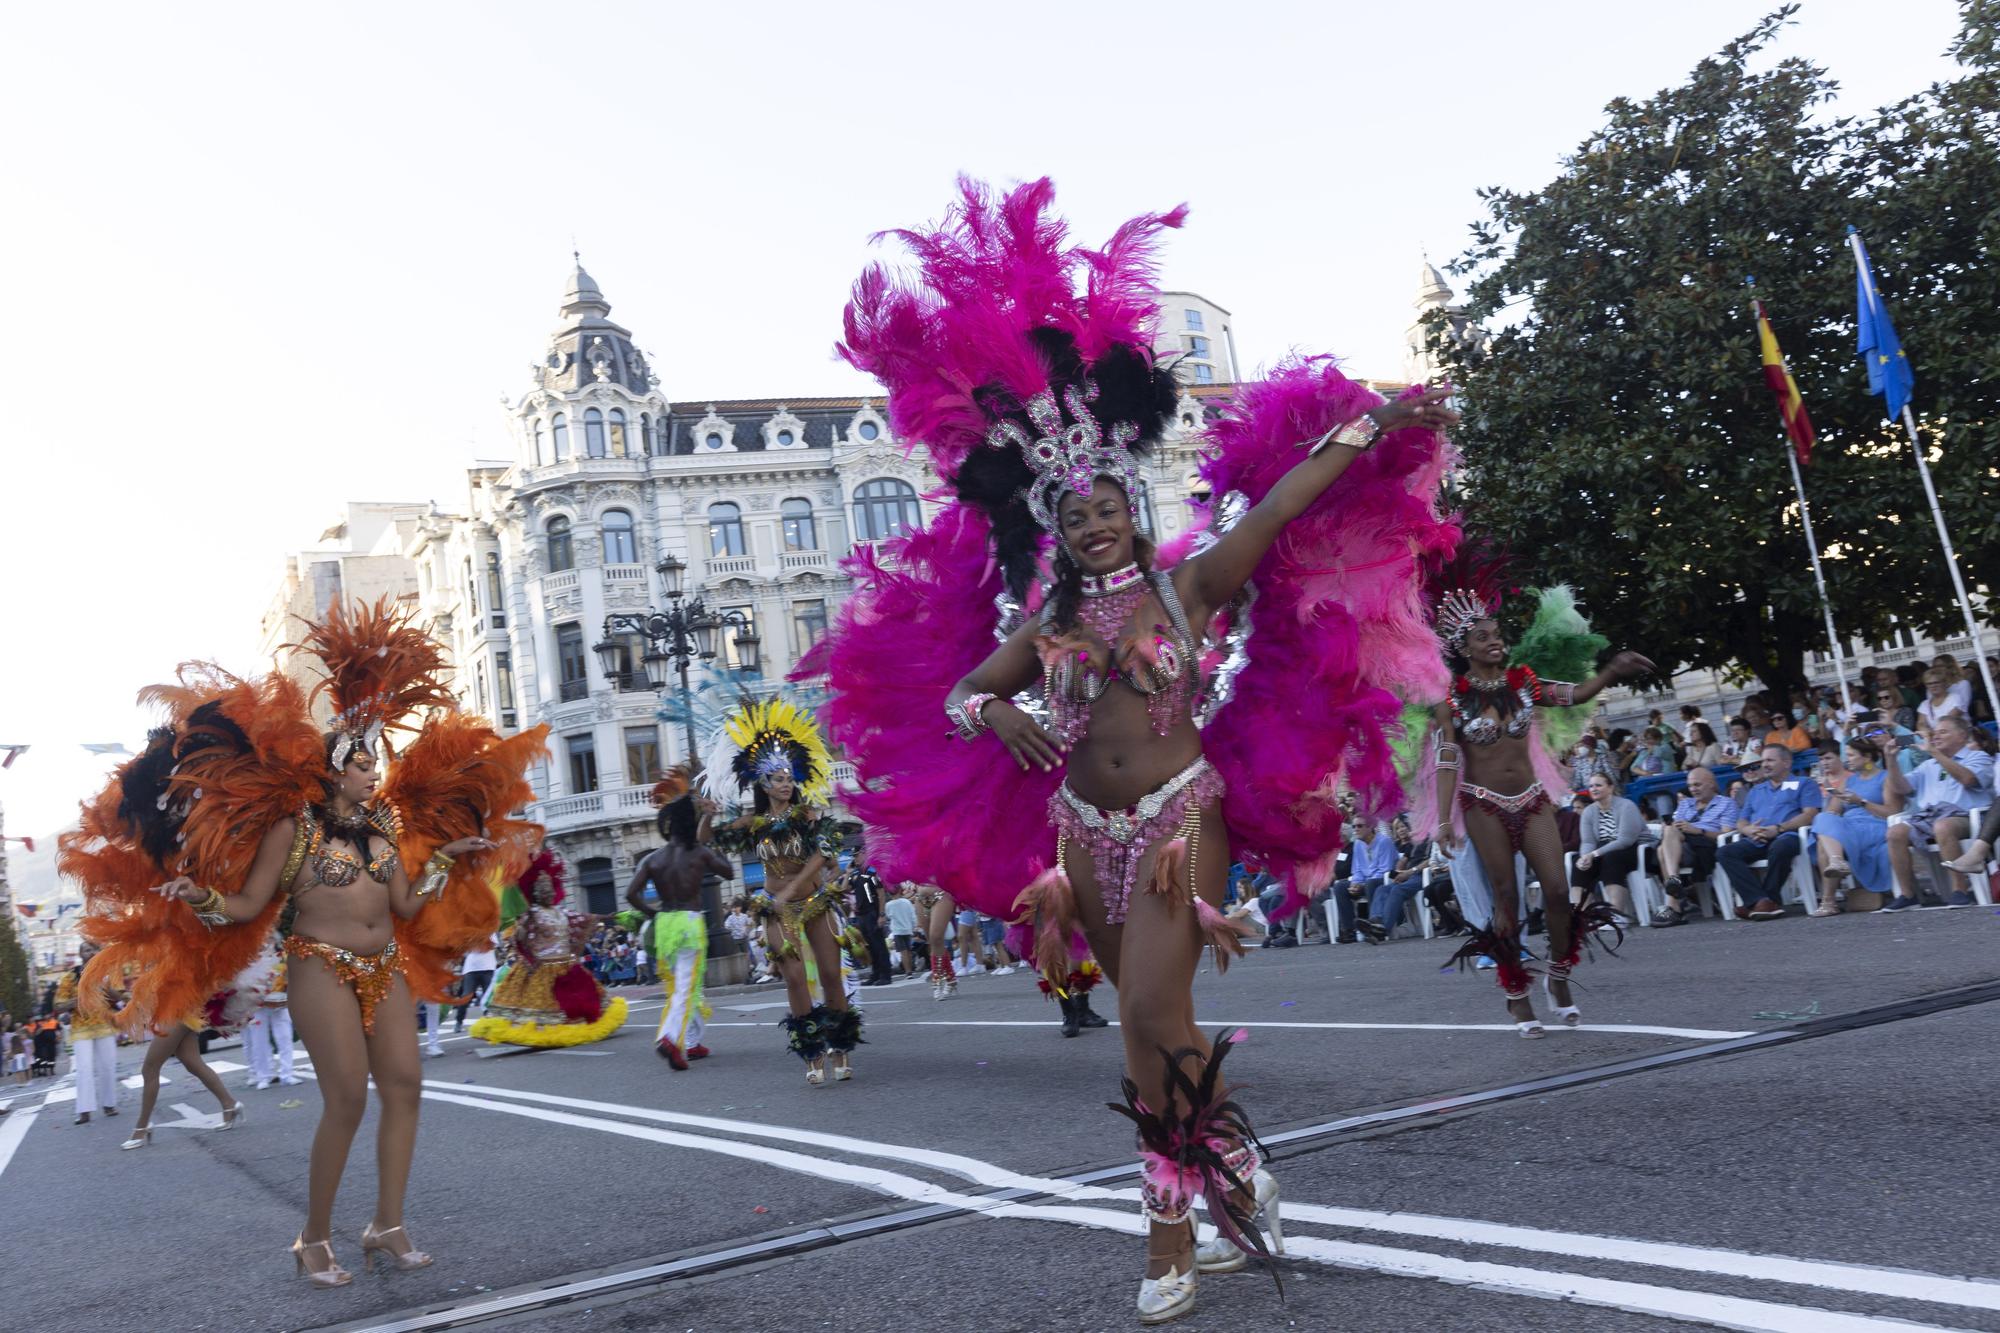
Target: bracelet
[1447, 756]
[1359, 434]
[209, 911]
[436, 871]
[967, 716]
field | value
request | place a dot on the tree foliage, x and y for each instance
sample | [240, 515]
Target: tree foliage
[1619, 433]
[16, 985]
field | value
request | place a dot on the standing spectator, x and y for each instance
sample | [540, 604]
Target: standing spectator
[1956, 776]
[1690, 719]
[1610, 832]
[967, 947]
[1699, 821]
[1758, 715]
[1739, 748]
[1703, 750]
[902, 914]
[93, 1042]
[1777, 806]
[19, 1051]
[993, 942]
[1590, 756]
[269, 1032]
[474, 976]
[866, 886]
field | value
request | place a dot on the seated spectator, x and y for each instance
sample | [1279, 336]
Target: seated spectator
[1956, 776]
[1404, 882]
[1689, 840]
[1942, 698]
[1655, 757]
[1611, 831]
[1852, 836]
[1739, 748]
[1703, 750]
[1910, 682]
[1776, 807]
[1690, 719]
[1374, 854]
[1569, 821]
[1784, 731]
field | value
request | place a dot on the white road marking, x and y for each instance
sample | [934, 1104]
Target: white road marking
[14, 1127]
[1633, 1029]
[1899, 1284]
[1726, 1311]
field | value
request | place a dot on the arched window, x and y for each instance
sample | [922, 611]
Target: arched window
[725, 530]
[593, 433]
[619, 548]
[560, 429]
[883, 508]
[618, 434]
[801, 533]
[540, 456]
[562, 548]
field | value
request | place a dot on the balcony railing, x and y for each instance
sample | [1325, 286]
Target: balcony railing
[731, 566]
[790, 560]
[625, 574]
[572, 690]
[560, 581]
[616, 805]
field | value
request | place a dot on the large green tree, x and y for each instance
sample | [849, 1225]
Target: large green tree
[1619, 434]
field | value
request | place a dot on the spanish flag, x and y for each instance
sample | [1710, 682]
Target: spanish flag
[1776, 374]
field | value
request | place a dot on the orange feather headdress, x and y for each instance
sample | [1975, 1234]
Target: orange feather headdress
[380, 670]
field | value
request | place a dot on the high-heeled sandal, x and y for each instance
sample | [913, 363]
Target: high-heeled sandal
[842, 1071]
[816, 1071]
[1567, 1014]
[1221, 1255]
[371, 1245]
[142, 1136]
[333, 1275]
[1170, 1295]
[232, 1116]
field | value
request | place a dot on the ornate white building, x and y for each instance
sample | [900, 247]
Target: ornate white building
[761, 499]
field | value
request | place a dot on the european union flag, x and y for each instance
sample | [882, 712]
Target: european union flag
[1889, 372]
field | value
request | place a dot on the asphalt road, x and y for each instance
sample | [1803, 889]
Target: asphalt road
[1841, 1182]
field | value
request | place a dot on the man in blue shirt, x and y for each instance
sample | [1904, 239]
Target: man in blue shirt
[1772, 813]
[1702, 817]
[1374, 857]
[1955, 778]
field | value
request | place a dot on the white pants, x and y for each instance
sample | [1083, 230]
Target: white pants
[271, 1024]
[681, 1021]
[434, 1023]
[95, 1062]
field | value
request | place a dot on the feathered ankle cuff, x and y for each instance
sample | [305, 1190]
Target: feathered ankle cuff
[806, 1033]
[1221, 934]
[1505, 951]
[843, 1028]
[1206, 1149]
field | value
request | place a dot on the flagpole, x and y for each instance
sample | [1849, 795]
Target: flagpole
[1819, 581]
[1950, 556]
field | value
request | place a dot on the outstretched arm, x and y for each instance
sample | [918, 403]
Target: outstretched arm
[265, 871]
[1625, 666]
[1008, 670]
[1215, 576]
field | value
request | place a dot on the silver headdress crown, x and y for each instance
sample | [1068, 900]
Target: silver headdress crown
[1458, 612]
[1069, 457]
[352, 741]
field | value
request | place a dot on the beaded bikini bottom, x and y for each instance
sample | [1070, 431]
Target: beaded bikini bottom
[1513, 812]
[1118, 840]
[368, 975]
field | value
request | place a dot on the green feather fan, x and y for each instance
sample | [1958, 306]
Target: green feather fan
[1560, 645]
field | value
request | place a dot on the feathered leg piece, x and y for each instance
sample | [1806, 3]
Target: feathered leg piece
[843, 1029]
[807, 1033]
[1048, 907]
[1221, 934]
[1505, 951]
[1189, 1152]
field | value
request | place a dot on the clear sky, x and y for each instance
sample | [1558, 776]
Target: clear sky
[262, 259]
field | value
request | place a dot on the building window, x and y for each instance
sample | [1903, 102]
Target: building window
[808, 625]
[646, 431]
[1194, 319]
[503, 683]
[712, 440]
[562, 546]
[726, 650]
[630, 674]
[572, 667]
[619, 548]
[582, 749]
[560, 429]
[540, 457]
[801, 533]
[642, 755]
[471, 591]
[496, 617]
[479, 673]
[618, 434]
[725, 530]
[599, 886]
[1198, 347]
[1204, 374]
[593, 433]
[869, 430]
[885, 508]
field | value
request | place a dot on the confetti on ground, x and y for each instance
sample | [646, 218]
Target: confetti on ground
[1779, 1016]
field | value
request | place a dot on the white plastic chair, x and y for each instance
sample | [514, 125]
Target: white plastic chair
[1644, 888]
[1798, 887]
[1981, 884]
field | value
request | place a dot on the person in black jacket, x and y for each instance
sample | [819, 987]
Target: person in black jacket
[866, 886]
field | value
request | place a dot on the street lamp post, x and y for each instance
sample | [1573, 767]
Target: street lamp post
[675, 638]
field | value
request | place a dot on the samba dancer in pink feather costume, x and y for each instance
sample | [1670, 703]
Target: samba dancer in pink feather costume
[1094, 718]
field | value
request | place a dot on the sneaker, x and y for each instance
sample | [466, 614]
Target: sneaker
[1764, 909]
[1959, 899]
[1900, 904]
[1001, 971]
[262, 1084]
[291, 1082]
